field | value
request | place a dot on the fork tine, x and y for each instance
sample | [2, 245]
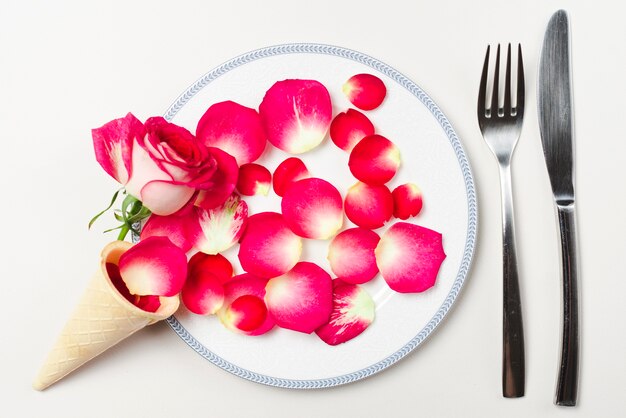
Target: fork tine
[507, 83]
[519, 108]
[482, 91]
[496, 83]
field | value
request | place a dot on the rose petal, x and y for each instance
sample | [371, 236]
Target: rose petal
[113, 144]
[154, 267]
[216, 264]
[113, 272]
[169, 164]
[287, 172]
[296, 114]
[353, 311]
[144, 170]
[203, 292]
[164, 197]
[241, 285]
[301, 299]
[374, 160]
[365, 91]
[178, 153]
[268, 248]
[351, 255]
[182, 227]
[313, 208]
[224, 180]
[221, 227]
[254, 179]
[348, 128]
[235, 129]
[409, 257]
[407, 201]
[246, 313]
[149, 303]
[369, 206]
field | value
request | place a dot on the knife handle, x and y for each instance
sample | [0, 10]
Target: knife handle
[567, 384]
[513, 357]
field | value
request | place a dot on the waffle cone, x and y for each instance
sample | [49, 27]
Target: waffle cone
[102, 319]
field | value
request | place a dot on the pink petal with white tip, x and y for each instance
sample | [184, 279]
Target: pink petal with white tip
[268, 248]
[254, 179]
[154, 267]
[149, 303]
[182, 227]
[407, 201]
[216, 264]
[246, 313]
[374, 160]
[365, 91]
[348, 128]
[113, 271]
[235, 129]
[113, 143]
[351, 255]
[409, 257]
[301, 299]
[224, 180]
[313, 208]
[221, 227]
[243, 285]
[353, 311]
[203, 293]
[287, 172]
[296, 114]
[369, 206]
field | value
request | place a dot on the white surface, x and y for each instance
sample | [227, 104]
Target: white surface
[429, 159]
[67, 67]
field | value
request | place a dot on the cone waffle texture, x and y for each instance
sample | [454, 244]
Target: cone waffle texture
[102, 319]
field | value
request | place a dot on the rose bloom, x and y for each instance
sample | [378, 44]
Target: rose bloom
[162, 164]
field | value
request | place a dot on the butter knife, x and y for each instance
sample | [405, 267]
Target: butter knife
[554, 96]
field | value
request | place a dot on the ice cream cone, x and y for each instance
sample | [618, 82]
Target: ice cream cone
[102, 318]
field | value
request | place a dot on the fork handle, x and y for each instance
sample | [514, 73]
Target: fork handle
[513, 358]
[567, 384]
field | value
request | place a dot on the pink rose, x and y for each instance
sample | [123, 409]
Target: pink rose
[160, 163]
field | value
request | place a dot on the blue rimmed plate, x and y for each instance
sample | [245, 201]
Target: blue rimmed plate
[432, 157]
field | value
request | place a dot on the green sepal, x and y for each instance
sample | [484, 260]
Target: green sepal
[113, 199]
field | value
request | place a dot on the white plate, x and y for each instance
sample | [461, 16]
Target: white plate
[432, 157]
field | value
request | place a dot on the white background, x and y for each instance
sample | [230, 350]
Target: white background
[66, 67]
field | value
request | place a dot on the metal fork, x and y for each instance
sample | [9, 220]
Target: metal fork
[501, 127]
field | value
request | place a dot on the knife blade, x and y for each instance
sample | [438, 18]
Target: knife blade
[555, 107]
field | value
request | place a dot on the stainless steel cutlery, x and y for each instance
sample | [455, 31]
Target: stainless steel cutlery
[554, 100]
[501, 128]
